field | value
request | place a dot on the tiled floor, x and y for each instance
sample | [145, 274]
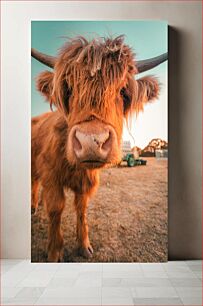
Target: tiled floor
[172, 283]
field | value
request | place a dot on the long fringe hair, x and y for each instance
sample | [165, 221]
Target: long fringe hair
[93, 73]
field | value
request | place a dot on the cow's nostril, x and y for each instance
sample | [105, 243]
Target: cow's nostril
[97, 141]
[107, 144]
[76, 143]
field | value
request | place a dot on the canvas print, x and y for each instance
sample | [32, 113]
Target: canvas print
[99, 145]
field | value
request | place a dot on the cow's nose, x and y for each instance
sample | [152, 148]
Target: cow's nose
[100, 139]
[91, 144]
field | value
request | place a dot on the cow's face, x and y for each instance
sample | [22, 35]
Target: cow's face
[93, 85]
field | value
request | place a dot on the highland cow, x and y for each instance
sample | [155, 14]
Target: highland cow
[93, 89]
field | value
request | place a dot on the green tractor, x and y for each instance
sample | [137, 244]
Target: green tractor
[131, 161]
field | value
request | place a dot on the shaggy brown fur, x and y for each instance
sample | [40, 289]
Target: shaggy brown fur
[92, 84]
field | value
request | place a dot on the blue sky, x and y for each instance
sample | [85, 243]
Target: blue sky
[147, 38]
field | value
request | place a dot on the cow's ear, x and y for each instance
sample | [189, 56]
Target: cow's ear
[44, 83]
[138, 92]
[56, 95]
[147, 91]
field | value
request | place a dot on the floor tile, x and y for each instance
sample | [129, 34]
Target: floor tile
[72, 292]
[192, 301]
[155, 292]
[157, 274]
[71, 267]
[198, 274]
[157, 301]
[22, 301]
[136, 282]
[90, 274]
[112, 282]
[117, 301]
[14, 276]
[89, 279]
[122, 267]
[174, 263]
[5, 268]
[177, 268]
[11, 261]
[152, 267]
[115, 292]
[66, 274]
[181, 274]
[193, 262]
[172, 283]
[196, 268]
[61, 282]
[123, 274]
[9, 292]
[91, 267]
[69, 301]
[30, 292]
[88, 282]
[4, 301]
[147, 282]
[189, 291]
[37, 279]
[185, 282]
[46, 267]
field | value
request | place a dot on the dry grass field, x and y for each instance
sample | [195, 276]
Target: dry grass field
[127, 218]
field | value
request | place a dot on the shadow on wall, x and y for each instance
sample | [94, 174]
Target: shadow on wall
[184, 206]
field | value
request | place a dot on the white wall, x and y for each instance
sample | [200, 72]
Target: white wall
[184, 113]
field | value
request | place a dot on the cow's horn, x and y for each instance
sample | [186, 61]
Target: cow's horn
[43, 58]
[150, 63]
[142, 66]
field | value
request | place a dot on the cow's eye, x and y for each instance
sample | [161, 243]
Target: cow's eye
[126, 99]
[66, 96]
[90, 118]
